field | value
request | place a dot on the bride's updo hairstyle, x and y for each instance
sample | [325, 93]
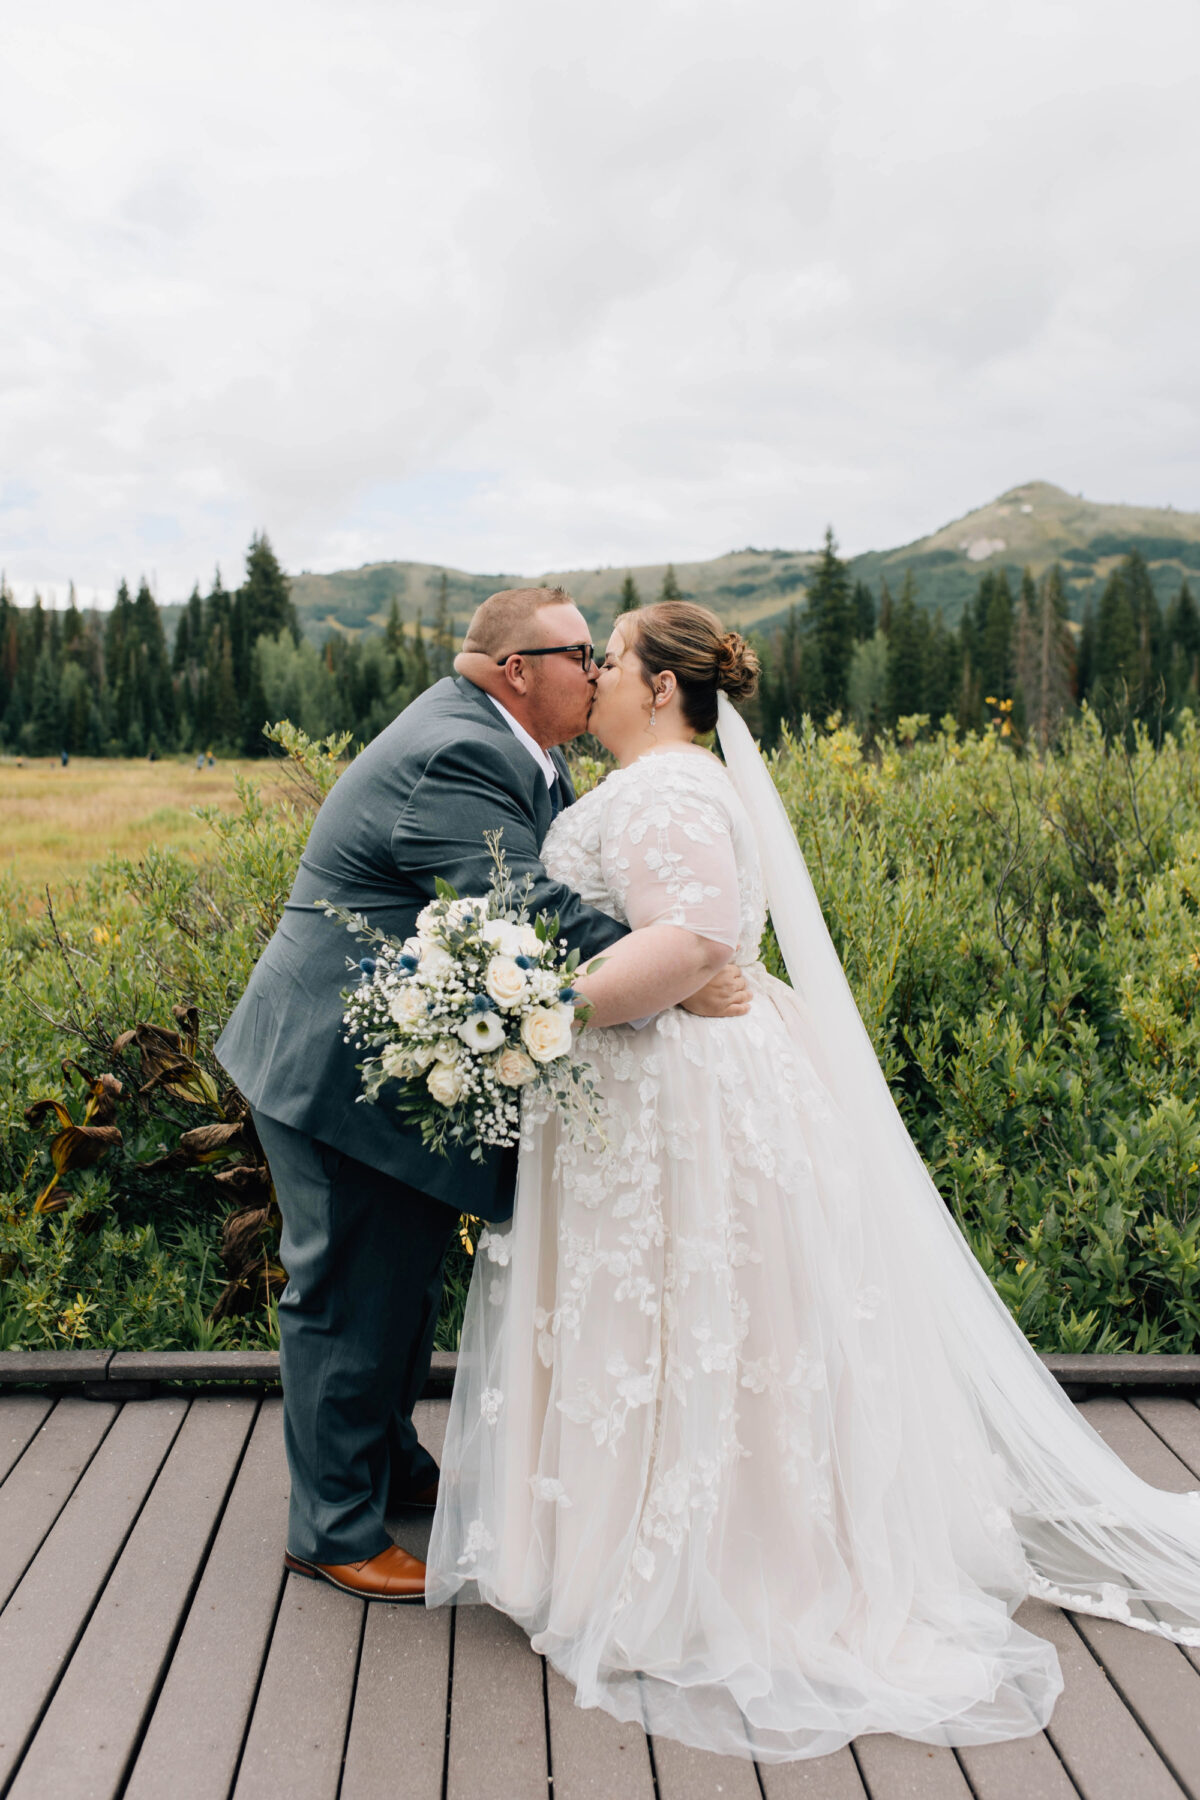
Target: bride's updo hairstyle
[704, 658]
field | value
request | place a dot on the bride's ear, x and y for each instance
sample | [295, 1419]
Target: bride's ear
[664, 686]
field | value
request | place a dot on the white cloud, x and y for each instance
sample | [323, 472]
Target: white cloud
[518, 285]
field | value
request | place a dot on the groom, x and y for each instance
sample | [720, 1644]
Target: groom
[368, 1212]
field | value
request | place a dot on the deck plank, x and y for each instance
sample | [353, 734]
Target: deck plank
[1124, 1431]
[46, 1614]
[20, 1417]
[91, 1728]
[298, 1731]
[833, 1777]
[688, 1774]
[42, 1481]
[592, 1755]
[195, 1736]
[1156, 1679]
[1177, 1422]
[1103, 1748]
[1024, 1769]
[397, 1742]
[895, 1768]
[497, 1719]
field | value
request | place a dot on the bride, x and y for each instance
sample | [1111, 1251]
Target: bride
[741, 1435]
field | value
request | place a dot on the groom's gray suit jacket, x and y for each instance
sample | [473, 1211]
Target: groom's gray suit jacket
[414, 805]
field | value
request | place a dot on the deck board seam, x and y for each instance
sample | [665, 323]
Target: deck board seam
[546, 1724]
[67, 1497]
[86, 1620]
[253, 1706]
[449, 1701]
[197, 1576]
[362, 1633]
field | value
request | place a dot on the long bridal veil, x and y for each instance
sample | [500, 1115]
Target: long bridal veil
[1095, 1537]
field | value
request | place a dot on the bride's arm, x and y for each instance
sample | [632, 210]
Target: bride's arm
[651, 969]
[668, 859]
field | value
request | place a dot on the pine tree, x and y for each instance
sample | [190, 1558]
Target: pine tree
[1116, 651]
[885, 606]
[905, 671]
[997, 669]
[393, 631]
[830, 629]
[630, 599]
[1182, 640]
[266, 594]
[671, 589]
[862, 604]
[418, 661]
[1045, 653]
[441, 649]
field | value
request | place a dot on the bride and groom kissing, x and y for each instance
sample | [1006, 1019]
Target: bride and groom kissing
[740, 1433]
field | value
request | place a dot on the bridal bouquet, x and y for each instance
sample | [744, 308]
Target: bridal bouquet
[467, 1016]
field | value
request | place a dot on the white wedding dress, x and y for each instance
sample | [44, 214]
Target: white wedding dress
[741, 1435]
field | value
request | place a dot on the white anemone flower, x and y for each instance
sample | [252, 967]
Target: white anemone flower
[482, 1032]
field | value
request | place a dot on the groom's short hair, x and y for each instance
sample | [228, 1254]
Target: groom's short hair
[502, 622]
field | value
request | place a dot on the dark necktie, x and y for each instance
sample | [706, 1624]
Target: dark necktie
[555, 799]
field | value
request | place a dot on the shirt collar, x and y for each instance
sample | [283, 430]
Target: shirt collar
[540, 756]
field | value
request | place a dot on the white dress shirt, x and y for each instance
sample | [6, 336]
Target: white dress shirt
[541, 757]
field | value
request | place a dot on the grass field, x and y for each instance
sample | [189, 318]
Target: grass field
[56, 822]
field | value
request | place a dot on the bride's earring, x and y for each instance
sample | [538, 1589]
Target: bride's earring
[653, 706]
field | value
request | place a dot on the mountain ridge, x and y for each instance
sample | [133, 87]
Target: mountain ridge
[1031, 525]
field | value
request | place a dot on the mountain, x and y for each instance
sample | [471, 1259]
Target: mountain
[1033, 526]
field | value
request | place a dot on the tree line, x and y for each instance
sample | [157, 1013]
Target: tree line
[109, 684]
[1015, 660]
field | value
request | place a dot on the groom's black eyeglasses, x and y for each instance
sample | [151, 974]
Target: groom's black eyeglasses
[585, 652]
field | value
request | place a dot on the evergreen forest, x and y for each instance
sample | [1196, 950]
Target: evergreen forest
[111, 684]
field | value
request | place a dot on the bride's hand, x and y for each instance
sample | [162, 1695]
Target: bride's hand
[726, 996]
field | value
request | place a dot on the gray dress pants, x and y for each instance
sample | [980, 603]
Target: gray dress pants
[364, 1254]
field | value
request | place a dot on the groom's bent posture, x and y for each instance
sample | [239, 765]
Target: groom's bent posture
[368, 1212]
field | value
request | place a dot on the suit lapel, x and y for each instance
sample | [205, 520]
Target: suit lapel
[564, 775]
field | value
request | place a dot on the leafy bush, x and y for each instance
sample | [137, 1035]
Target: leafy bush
[1022, 936]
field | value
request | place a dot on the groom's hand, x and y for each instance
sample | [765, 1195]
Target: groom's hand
[726, 996]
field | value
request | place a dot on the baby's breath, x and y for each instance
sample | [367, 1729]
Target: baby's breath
[468, 1021]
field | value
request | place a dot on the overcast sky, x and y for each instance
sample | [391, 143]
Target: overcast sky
[530, 284]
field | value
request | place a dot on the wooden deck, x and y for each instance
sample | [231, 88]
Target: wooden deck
[151, 1646]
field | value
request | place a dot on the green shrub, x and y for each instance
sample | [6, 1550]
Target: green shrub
[1022, 936]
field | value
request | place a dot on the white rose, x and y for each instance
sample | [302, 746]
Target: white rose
[446, 1050]
[504, 981]
[481, 1032]
[445, 1083]
[546, 1033]
[429, 920]
[503, 935]
[513, 1068]
[407, 1007]
[512, 939]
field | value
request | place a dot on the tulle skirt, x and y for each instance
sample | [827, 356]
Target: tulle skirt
[707, 1444]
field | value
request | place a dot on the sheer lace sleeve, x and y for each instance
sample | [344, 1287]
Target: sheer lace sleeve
[667, 848]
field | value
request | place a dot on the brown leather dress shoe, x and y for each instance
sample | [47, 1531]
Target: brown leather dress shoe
[393, 1575]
